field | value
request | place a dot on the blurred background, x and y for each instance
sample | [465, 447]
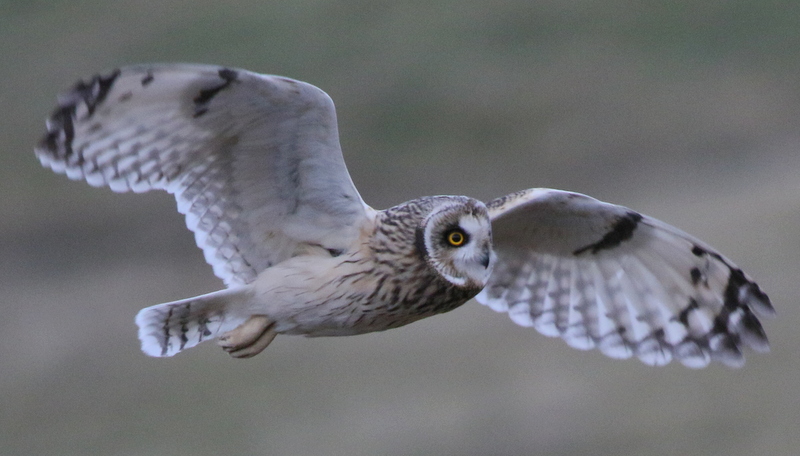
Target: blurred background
[684, 110]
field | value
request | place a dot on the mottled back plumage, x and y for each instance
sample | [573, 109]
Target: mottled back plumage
[255, 165]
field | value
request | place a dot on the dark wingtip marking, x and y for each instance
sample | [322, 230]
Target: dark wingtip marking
[739, 295]
[60, 133]
[61, 126]
[753, 333]
[759, 299]
[205, 96]
[621, 231]
[740, 292]
[739, 283]
[731, 295]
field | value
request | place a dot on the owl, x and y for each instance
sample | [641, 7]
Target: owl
[255, 165]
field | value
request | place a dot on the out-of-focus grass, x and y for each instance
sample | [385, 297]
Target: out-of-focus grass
[686, 111]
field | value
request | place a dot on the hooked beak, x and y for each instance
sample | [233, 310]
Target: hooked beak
[486, 259]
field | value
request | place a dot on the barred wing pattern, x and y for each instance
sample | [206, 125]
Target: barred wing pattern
[603, 276]
[254, 161]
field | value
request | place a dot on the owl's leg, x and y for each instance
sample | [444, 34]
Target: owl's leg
[248, 339]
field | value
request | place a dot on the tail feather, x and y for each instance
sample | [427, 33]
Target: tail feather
[166, 329]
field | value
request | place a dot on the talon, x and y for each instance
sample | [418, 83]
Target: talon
[248, 339]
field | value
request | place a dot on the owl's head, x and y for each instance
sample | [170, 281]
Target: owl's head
[456, 240]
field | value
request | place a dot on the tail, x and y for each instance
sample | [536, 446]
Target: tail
[166, 329]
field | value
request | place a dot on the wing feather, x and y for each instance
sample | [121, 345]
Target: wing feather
[253, 160]
[603, 276]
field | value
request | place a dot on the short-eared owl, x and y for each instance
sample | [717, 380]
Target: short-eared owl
[255, 164]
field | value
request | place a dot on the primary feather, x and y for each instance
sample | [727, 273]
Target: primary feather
[253, 160]
[604, 276]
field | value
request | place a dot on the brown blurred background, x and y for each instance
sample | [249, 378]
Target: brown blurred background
[684, 110]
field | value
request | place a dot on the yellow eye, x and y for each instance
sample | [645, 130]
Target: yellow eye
[456, 238]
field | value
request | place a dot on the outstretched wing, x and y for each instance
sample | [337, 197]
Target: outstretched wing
[254, 161]
[600, 275]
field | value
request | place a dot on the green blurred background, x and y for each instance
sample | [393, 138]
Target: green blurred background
[684, 110]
